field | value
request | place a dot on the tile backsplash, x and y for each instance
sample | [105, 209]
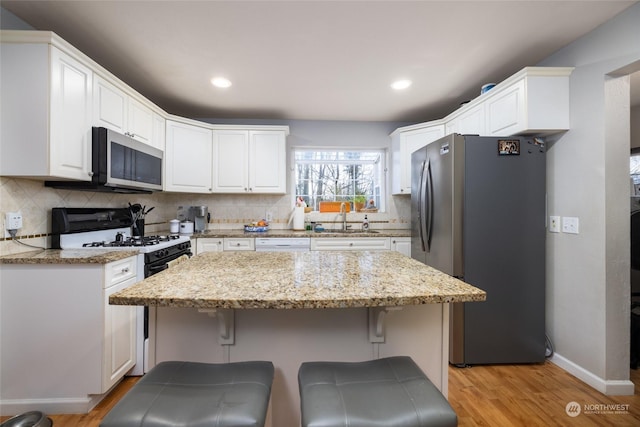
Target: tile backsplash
[35, 201]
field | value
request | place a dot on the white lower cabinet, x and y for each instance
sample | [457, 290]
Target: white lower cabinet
[239, 244]
[351, 244]
[119, 349]
[218, 244]
[402, 245]
[209, 244]
[399, 244]
[61, 340]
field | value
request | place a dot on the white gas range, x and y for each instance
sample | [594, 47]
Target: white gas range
[110, 228]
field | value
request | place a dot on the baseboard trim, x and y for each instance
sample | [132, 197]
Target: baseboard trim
[608, 387]
[80, 405]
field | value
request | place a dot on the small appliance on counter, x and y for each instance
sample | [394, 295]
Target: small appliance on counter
[186, 228]
[200, 216]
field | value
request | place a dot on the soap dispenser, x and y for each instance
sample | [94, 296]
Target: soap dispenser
[365, 224]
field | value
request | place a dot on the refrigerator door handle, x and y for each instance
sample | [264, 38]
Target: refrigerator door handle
[429, 208]
[424, 239]
[421, 208]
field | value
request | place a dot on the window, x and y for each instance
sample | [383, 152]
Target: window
[340, 176]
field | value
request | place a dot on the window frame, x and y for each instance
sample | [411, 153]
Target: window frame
[380, 187]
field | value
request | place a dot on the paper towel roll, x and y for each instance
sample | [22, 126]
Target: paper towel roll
[298, 218]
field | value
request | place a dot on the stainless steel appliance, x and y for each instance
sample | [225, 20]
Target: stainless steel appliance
[110, 228]
[478, 213]
[119, 164]
[199, 215]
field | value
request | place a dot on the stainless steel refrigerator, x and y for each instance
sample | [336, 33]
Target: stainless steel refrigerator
[479, 214]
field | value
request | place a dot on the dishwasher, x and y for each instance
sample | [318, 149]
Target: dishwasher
[283, 244]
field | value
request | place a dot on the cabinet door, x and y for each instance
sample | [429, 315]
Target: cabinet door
[159, 132]
[506, 113]
[472, 121]
[402, 245]
[140, 122]
[267, 162]
[110, 106]
[70, 117]
[230, 156]
[409, 142]
[208, 245]
[187, 158]
[119, 337]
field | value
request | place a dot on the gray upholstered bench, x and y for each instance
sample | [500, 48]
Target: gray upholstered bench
[390, 392]
[196, 394]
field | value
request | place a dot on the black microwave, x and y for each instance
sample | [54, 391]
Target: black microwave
[119, 164]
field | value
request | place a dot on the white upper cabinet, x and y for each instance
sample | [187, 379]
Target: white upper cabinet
[403, 144]
[249, 161]
[45, 99]
[187, 158]
[115, 109]
[231, 160]
[471, 121]
[267, 162]
[534, 101]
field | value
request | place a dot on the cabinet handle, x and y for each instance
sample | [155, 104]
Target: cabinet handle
[125, 270]
[90, 173]
[245, 188]
[350, 244]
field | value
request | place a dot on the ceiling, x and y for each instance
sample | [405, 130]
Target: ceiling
[317, 60]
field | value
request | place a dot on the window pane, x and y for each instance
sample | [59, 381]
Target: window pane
[323, 175]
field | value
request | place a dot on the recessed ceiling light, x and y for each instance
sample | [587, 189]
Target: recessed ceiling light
[401, 84]
[220, 82]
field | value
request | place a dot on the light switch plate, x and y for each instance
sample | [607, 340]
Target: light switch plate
[554, 224]
[570, 225]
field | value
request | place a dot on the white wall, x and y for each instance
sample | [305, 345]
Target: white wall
[588, 273]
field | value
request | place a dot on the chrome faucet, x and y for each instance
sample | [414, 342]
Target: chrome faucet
[343, 212]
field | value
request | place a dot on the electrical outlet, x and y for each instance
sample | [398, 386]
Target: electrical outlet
[12, 221]
[570, 225]
[268, 216]
[554, 224]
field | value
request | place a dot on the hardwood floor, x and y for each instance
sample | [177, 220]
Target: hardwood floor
[534, 395]
[496, 396]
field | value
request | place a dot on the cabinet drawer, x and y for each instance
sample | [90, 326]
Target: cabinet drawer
[239, 244]
[347, 244]
[118, 271]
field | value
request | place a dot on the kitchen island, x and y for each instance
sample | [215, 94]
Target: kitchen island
[292, 307]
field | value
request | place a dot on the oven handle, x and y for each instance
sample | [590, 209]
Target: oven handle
[157, 269]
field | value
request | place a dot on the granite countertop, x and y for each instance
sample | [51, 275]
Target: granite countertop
[293, 233]
[287, 280]
[68, 256]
